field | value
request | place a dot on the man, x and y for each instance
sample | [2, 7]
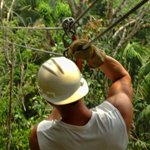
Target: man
[71, 126]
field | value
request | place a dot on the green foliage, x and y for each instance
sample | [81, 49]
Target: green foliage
[138, 66]
[95, 95]
[62, 10]
[144, 88]
[28, 107]
[45, 12]
[145, 69]
[129, 5]
[133, 60]
[145, 114]
[54, 12]
[138, 145]
[25, 113]
[99, 9]
[27, 11]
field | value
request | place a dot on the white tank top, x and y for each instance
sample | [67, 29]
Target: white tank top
[106, 130]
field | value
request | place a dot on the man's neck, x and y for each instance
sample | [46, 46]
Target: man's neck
[77, 114]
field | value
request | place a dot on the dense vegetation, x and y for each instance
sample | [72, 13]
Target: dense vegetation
[129, 43]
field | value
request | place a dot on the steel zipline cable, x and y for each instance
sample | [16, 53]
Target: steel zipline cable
[114, 24]
[34, 28]
[32, 48]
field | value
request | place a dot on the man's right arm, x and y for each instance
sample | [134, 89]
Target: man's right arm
[120, 93]
[119, 76]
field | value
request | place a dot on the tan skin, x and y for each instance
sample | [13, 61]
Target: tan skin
[120, 95]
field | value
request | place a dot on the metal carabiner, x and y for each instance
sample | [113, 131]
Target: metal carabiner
[69, 31]
[65, 53]
[67, 26]
[64, 40]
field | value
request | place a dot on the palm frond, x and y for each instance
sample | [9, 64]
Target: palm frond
[131, 53]
[28, 2]
[27, 13]
[145, 114]
[142, 50]
[145, 69]
[133, 60]
[25, 8]
[144, 88]
[34, 3]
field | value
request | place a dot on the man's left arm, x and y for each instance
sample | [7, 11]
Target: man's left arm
[33, 140]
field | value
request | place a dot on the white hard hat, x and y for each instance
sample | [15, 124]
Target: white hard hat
[60, 81]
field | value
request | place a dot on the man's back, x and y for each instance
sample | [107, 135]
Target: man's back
[105, 130]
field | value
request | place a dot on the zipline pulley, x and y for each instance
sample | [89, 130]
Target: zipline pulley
[69, 30]
[67, 26]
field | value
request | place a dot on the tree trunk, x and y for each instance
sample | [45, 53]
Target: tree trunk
[109, 10]
[76, 9]
[50, 38]
[1, 10]
[117, 12]
[11, 65]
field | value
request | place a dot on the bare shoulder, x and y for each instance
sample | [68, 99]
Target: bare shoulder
[33, 140]
[122, 102]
